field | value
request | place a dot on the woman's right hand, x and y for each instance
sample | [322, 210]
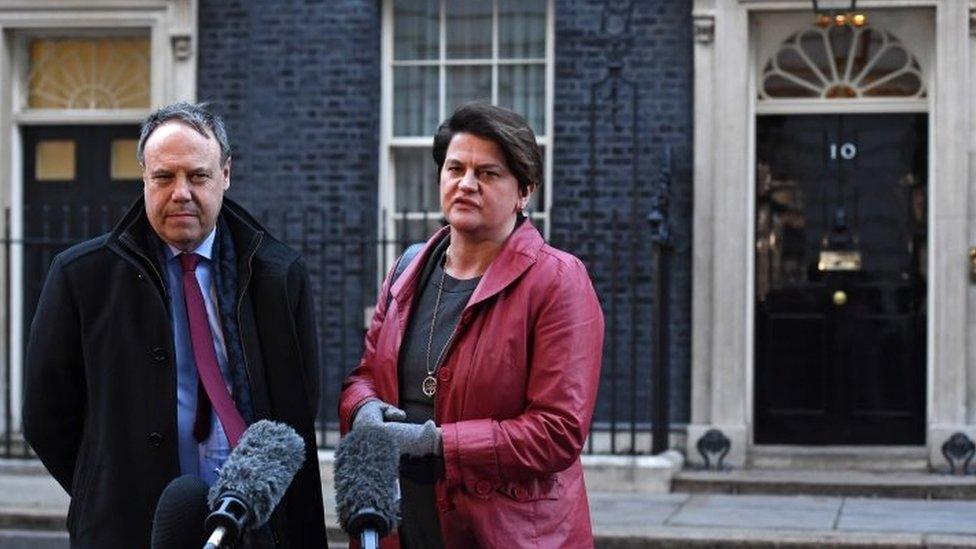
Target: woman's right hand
[376, 412]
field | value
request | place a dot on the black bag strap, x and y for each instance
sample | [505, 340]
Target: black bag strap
[401, 265]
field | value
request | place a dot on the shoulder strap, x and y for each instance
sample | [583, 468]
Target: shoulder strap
[401, 265]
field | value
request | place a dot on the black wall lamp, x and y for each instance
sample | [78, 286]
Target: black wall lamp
[839, 18]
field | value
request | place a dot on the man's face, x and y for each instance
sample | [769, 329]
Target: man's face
[183, 183]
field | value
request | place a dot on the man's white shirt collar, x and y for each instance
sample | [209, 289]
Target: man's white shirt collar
[205, 248]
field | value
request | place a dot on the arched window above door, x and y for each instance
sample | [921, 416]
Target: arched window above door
[89, 73]
[842, 63]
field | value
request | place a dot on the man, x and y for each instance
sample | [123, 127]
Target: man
[154, 345]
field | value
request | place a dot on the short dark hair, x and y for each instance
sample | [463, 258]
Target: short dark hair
[505, 127]
[196, 115]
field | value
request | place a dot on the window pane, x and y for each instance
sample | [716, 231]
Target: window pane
[124, 163]
[521, 29]
[111, 73]
[468, 29]
[55, 160]
[416, 29]
[467, 83]
[416, 180]
[415, 101]
[522, 88]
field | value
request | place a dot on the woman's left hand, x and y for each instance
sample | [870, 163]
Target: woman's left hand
[417, 440]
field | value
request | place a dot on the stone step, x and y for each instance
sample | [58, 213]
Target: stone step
[913, 485]
[840, 458]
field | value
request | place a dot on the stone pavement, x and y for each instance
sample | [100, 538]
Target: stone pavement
[33, 509]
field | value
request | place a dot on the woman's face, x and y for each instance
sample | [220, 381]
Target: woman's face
[479, 195]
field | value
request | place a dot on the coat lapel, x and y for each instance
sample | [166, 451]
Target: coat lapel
[518, 254]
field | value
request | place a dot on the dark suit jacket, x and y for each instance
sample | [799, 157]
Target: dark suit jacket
[100, 397]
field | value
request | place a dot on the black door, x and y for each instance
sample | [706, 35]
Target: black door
[78, 180]
[840, 279]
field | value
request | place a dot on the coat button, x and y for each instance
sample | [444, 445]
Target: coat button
[444, 375]
[158, 354]
[482, 488]
[155, 440]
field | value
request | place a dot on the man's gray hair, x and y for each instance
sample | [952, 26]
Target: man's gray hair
[197, 116]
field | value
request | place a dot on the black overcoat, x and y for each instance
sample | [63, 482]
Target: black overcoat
[100, 395]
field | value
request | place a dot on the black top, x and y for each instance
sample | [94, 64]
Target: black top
[419, 523]
[413, 366]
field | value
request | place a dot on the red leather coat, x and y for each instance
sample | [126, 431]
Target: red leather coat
[515, 395]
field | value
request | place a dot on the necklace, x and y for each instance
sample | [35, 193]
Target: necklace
[429, 385]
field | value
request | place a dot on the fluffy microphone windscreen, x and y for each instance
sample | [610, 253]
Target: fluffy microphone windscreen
[180, 513]
[367, 464]
[260, 468]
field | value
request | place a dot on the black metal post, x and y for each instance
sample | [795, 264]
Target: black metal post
[660, 224]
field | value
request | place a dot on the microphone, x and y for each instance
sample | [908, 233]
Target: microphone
[367, 463]
[180, 512]
[252, 481]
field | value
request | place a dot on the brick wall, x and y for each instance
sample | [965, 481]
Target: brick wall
[624, 90]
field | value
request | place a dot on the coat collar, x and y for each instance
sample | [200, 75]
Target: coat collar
[519, 252]
[134, 228]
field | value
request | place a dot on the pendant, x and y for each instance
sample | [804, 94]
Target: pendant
[429, 386]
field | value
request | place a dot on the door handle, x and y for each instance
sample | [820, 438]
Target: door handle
[840, 298]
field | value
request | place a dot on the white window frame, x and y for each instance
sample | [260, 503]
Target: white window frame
[387, 215]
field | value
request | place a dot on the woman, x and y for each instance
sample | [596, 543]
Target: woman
[490, 341]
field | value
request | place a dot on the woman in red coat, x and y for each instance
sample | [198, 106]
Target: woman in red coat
[483, 357]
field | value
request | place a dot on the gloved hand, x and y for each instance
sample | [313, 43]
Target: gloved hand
[417, 440]
[377, 412]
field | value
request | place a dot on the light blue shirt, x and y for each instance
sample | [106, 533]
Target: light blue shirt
[201, 459]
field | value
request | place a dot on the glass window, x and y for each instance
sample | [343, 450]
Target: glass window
[444, 54]
[124, 165]
[466, 83]
[468, 26]
[54, 160]
[522, 88]
[842, 63]
[521, 29]
[416, 29]
[415, 106]
[102, 73]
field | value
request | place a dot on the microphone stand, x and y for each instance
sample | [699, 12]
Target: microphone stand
[369, 539]
[216, 538]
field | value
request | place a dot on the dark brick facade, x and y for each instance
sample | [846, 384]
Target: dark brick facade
[623, 91]
[299, 85]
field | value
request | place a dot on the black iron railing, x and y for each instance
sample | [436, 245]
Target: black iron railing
[345, 265]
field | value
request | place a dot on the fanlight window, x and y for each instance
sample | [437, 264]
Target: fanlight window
[104, 73]
[842, 63]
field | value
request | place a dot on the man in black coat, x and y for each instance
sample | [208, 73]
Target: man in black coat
[136, 329]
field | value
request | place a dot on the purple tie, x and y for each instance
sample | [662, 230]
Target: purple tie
[205, 356]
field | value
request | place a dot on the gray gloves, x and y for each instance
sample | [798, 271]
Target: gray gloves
[416, 440]
[376, 412]
[412, 439]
